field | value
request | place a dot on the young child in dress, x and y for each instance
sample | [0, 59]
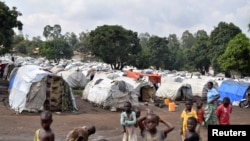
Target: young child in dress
[223, 112]
[200, 115]
[128, 122]
[45, 133]
[186, 113]
[191, 134]
[80, 133]
[150, 132]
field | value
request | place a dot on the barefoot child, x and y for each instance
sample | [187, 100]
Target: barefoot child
[191, 134]
[45, 133]
[128, 122]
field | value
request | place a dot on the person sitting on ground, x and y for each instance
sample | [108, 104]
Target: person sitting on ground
[45, 133]
[81, 133]
[150, 132]
[191, 134]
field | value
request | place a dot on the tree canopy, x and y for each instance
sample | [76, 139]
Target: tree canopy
[236, 56]
[56, 50]
[8, 18]
[114, 45]
[219, 39]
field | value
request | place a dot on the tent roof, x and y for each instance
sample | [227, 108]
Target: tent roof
[233, 89]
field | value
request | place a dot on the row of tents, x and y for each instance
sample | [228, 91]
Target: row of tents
[35, 87]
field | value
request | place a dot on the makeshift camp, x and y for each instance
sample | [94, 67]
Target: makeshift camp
[35, 89]
[235, 90]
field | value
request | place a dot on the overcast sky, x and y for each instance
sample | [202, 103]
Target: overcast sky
[157, 17]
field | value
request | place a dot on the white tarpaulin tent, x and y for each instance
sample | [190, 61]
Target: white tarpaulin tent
[25, 76]
[99, 91]
[109, 93]
[168, 88]
[34, 89]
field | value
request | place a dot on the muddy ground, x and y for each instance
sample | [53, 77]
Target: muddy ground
[21, 127]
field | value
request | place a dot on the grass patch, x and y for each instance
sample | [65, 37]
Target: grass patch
[78, 91]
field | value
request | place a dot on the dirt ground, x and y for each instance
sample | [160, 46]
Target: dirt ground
[21, 127]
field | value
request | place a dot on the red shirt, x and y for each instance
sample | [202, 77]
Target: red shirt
[223, 114]
[200, 115]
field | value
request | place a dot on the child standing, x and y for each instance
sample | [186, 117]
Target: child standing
[150, 132]
[45, 133]
[141, 122]
[200, 115]
[223, 112]
[191, 134]
[128, 122]
[186, 113]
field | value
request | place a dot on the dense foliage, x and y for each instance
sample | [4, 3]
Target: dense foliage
[8, 21]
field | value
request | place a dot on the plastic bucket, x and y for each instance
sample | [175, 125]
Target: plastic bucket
[166, 102]
[171, 107]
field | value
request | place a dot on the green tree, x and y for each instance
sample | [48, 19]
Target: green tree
[52, 32]
[115, 45]
[219, 39]
[187, 40]
[248, 27]
[144, 37]
[159, 52]
[236, 56]
[176, 54]
[56, 50]
[72, 39]
[143, 59]
[8, 21]
[199, 50]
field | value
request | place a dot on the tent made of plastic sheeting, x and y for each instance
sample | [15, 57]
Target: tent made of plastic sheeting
[99, 90]
[121, 92]
[142, 88]
[235, 90]
[36, 90]
[75, 78]
[109, 93]
[98, 76]
[197, 85]
[174, 90]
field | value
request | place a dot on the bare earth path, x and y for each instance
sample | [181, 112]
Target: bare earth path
[22, 127]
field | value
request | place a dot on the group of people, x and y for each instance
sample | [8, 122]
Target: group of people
[131, 119]
[213, 114]
[192, 118]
